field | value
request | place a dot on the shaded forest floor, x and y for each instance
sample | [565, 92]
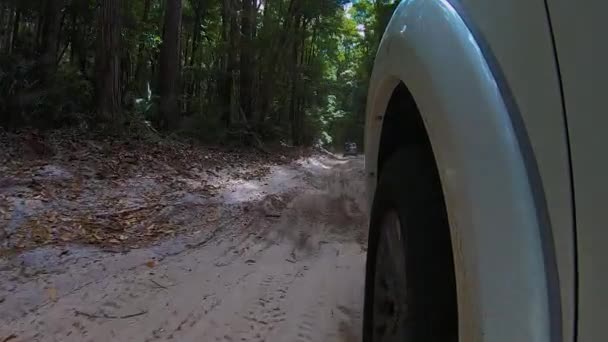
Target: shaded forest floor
[118, 193]
[260, 248]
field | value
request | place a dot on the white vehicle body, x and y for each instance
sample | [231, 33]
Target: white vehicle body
[510, 96]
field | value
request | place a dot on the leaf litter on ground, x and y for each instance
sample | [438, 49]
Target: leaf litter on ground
[69, 186]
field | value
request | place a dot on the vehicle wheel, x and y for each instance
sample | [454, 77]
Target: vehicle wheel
[410, 292]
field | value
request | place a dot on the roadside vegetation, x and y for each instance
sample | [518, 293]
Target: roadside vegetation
[156, 160]
[219, 71]
[109, 108]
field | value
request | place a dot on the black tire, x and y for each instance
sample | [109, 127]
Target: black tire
[409, 218]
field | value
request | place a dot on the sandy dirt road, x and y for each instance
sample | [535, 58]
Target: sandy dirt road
[282, 259]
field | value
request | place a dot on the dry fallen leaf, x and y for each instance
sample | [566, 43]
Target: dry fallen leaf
[52, 294]
[9, 337]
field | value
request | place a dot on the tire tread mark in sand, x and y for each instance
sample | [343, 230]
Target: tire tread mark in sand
[250, 317]
[266, 312]
[241, 249]
[209, 302]
[308, 327]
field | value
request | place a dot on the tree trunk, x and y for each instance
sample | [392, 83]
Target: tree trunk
[233, 63]
[184, 53]
[39, 28]
[247, 68]
[15, 32]
[73, 39]
[6, 43]
[262, 102]
[3, 23]
[230, 35]
[50, 39]
[169, 65]
[224, 79]
[107, 63]
[196, 29]
[293, 113]
[80, 26]
[275, 57]
[199, 9]
[140, 67]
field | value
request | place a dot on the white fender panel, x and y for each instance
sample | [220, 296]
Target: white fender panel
[505, 289]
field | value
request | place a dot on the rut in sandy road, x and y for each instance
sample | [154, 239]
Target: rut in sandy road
[290, 269]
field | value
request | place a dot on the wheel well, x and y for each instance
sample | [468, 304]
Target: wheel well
[403, 127]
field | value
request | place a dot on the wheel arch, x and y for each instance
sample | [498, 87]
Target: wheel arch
[402, 126]
[500, 230]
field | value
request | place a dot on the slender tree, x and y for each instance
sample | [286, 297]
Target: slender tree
[169, 64]
[140, 67]
[107, 63]
[50, 39]
[14, 37]
[246, 51]
[199, 8]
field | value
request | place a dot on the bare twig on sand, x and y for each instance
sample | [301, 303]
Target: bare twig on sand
[211, 172]
[128, 211]
[159, 284]
[326, 152]
[204, 241]
[104, 315]
[273, 215]
[9, 337]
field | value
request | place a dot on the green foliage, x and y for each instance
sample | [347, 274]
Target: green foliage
[23, 101]
[206, 127]
[309, 60]
[16, 78]
[147, 108]
[72, 93]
